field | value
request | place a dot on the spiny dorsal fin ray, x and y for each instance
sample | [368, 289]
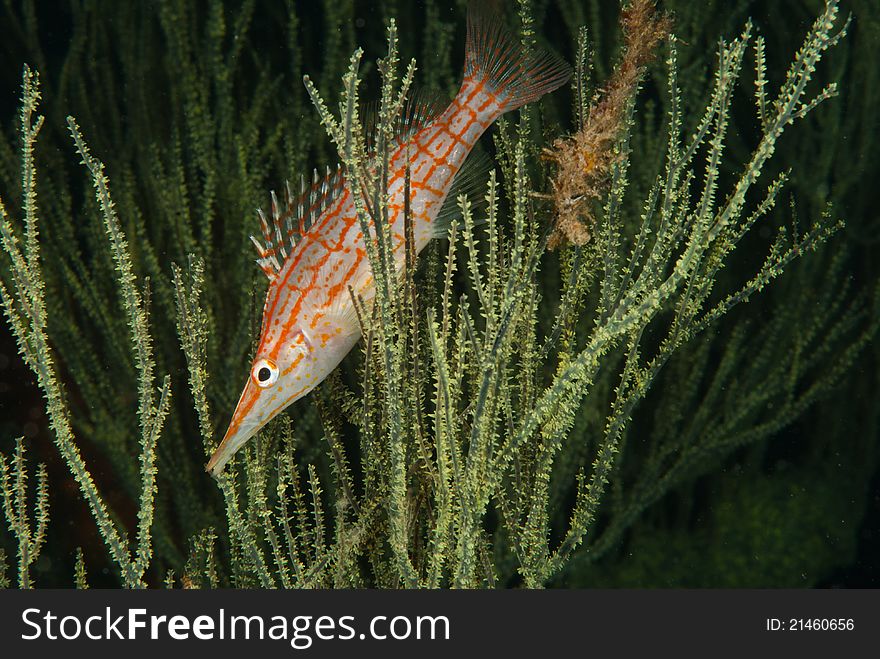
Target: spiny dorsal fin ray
[292, 220]
[422, 106]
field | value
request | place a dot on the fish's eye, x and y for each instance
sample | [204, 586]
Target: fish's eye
[265, 373]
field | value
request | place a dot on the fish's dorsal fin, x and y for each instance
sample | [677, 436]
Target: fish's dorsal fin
[421, 108]
[287, 223]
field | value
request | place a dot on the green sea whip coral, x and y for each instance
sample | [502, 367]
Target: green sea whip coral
[445, 450]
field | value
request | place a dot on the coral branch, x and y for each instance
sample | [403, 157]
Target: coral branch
[583, 160]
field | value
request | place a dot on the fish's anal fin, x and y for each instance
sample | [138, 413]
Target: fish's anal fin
[470, 181]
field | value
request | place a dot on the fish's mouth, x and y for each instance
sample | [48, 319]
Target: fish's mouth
[236, 436]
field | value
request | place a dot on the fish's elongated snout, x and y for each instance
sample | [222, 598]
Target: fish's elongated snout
[235, 438]
[246, 421]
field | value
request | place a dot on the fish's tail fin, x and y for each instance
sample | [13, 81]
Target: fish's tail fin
[496, 58]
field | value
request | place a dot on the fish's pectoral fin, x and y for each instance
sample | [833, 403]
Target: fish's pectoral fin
[345, 311]
[340, 309]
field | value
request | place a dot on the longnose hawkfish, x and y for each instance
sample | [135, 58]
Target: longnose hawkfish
[308, 321]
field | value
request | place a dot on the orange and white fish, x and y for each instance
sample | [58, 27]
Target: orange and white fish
[308, 320]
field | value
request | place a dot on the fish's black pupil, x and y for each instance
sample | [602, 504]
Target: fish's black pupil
[264, 374]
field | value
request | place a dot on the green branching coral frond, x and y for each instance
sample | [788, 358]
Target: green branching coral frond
[25, 305]
[514, 413]
[80, 576]
[30, 533]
